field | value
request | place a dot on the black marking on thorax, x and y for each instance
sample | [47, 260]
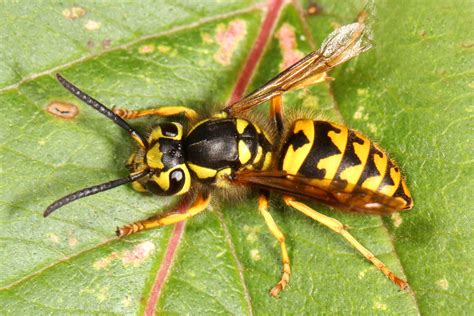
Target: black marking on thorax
[214, 144]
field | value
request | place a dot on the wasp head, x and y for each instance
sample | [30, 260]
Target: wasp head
[164, 157]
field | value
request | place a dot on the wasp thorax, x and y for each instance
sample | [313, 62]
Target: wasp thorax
[165, 158]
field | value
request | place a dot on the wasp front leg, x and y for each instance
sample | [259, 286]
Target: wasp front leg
[276, 232]
[339, 228]
[189, 113]
[200, 204]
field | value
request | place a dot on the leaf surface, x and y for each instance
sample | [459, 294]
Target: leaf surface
[224, 261]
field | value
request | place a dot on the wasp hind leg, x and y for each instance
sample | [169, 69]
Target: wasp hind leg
[276, 232]
[168, 218]
[189, 113]
[339, 228]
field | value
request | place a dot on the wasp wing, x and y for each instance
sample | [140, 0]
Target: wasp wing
[341, 45]
[331, 192]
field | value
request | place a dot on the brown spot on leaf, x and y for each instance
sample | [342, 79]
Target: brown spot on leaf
[138, 254]
[313, 9]
[106, 42]
[90, 44]
[92, 25]
[228, 39]
[443, 284]
[255, 255]
[287, 41]
[207, 38]
[53, 237]
[72, 240]
[104, 262]
[252, 233]
[74, 13]
[134, 257]
[64, 110]
[380, 306]
[146, 49]
[164, 49]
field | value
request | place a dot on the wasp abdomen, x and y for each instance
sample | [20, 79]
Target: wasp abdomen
[225, 145]
[324, 150]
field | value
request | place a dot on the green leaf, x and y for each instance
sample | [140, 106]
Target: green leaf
[410, 93]
[414, 93]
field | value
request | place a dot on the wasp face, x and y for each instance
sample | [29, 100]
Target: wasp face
[165, 158]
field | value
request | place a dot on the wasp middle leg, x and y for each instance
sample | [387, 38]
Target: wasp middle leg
[276, 232]
[339, 228]
[168, 218]
[189, 113]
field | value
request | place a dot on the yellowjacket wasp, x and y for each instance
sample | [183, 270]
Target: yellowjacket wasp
[306, 158]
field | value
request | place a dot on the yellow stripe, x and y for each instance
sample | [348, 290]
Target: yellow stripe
[156, 133]
[352, 174]
[295, 158]
[244, 153]
[268, 161]
[162, 180]
[222, 178]
[405, 189]
[331, 163]
[259, 154]
[187, 180]
[373, 183]
[154, 157]
[241, 125]
[202, 172]
[220, 115]
[390, 189]
[137, 186]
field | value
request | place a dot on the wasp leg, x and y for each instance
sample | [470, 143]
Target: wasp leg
[168, 218]
[339, 228]
[189, 113]
[276, 112]
[276, 232]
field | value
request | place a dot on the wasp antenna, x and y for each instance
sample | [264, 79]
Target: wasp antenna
[93, 190]
[102, 109]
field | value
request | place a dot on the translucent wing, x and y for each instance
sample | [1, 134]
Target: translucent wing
[330, 192]
[341, 45]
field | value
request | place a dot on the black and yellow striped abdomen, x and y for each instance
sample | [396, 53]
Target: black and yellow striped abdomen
[324, 150]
